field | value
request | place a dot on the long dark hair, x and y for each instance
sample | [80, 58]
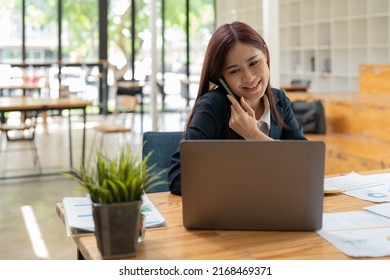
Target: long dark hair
[222, 41]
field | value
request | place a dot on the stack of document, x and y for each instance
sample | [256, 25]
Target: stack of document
[364, 233]
[374, 188]
[358, 233]
[79, 219]
[78, 216]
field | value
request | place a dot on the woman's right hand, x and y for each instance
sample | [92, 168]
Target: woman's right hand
[243, 120]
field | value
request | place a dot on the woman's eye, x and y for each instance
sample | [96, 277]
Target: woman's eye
[233, 71]
[253, 63]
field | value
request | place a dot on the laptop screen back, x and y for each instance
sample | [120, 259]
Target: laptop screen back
[252, 185]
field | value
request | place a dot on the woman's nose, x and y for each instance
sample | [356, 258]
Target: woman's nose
[247, 75]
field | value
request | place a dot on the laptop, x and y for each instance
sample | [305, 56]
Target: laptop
[252, 185]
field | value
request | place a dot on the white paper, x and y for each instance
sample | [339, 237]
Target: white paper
[79, 219]
[357, 233]
[153, 218]
[78, 216]
[343, 182]
[381, 209]
[375, 188]
[374, 193]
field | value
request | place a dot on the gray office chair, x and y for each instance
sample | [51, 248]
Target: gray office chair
[162, 145]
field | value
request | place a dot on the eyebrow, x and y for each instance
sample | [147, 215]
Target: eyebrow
[249, 59]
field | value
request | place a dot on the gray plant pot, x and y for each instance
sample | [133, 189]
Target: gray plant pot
[117, 228]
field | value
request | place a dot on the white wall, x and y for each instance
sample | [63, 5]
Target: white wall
[248, 11]
[324, 41]
[264, 21]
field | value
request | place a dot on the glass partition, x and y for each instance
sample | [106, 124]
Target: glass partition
[11, 31]
[41, 29]
[56, 43]
[80, 26]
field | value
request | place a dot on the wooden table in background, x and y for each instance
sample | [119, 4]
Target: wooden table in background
[24, 104]
[24, 87]
[177, 243]
[299, 88]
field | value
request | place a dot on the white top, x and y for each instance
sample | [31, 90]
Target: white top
[264, 123]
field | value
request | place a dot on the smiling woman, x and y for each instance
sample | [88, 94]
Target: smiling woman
[237, 54]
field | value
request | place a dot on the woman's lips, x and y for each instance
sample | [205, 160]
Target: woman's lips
[252, 88]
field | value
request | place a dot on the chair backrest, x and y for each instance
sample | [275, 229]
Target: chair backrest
[162, 145]
[160, 88]
[125, 108]
[126, 103]
[310, 115]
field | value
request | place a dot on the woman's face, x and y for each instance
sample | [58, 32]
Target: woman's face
[246, 72]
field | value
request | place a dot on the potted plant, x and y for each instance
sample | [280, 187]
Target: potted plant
[115, 186]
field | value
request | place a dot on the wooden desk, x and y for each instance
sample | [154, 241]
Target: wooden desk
[175, 242]
[25, 87]
[24, 104]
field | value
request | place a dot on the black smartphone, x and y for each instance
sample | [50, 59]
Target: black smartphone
[229, 91]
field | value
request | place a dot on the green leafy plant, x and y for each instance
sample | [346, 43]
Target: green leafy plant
[117, 179]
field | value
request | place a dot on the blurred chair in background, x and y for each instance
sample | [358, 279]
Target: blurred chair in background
[23, 132]
[121, 122]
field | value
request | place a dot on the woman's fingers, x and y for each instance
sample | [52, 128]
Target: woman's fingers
[233, 100]
[245, 106]
[236, 104]
[241, 107]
